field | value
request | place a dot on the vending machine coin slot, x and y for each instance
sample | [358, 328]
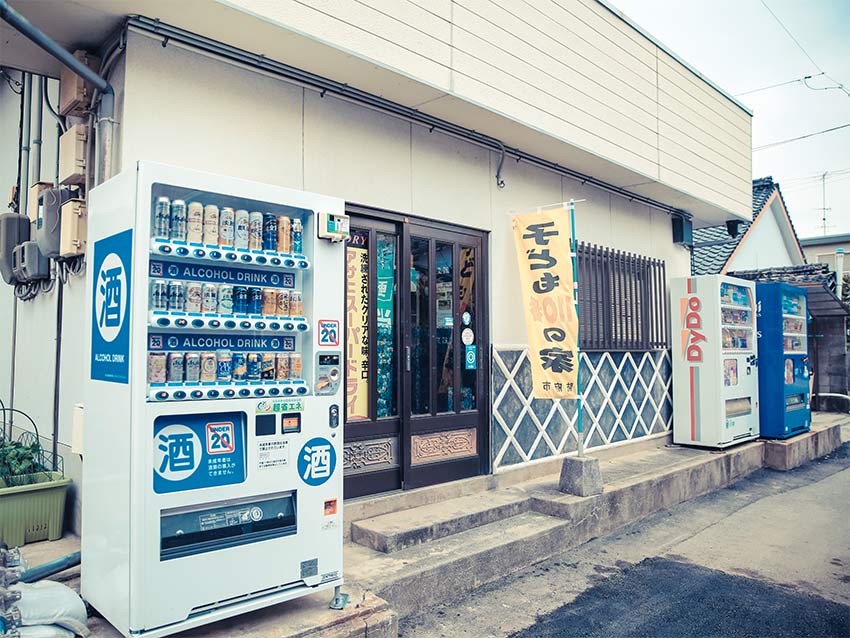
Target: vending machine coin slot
[328, 372]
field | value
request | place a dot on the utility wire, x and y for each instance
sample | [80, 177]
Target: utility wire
[773, 86]
[802, 137]
[838, 84]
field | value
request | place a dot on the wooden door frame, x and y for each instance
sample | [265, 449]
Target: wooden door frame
[482, 464]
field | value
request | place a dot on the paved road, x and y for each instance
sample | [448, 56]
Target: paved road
[766, 557]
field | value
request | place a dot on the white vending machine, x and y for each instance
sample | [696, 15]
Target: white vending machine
[212, 470]
[715, 361]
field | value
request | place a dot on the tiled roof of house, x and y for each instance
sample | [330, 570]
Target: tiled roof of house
[713, 245]
[805, 273]
[818, 280]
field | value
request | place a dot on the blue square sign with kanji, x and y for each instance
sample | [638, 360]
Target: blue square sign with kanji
[110, 329]
[194, 451]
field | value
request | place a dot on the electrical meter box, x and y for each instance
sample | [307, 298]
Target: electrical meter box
[213, 436]
[783, 351]
[14, 230]
[72, 155]
[29, 263]
[715, 361]
[74, 92]
[72, 236]
[48, 226]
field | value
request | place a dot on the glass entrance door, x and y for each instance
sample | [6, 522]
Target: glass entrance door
[445, 355]
[417, 355]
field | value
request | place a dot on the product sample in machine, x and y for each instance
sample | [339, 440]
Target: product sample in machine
[204, 315]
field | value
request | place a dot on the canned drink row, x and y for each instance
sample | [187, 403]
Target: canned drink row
[208, 224]
[224, 299]
[223, 366]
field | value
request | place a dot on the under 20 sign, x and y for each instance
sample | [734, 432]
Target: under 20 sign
[220, 438]
[328, 332]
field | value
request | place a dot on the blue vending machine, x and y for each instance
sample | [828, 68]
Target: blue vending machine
[783, 360]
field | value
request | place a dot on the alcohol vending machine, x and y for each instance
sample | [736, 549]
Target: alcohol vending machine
[212, 442]
[715, 361]
[783, 351]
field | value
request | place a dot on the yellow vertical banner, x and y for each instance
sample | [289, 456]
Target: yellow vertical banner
[546, 278]
[357, 327]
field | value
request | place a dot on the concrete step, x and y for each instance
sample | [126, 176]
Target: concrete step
[427, 574]
[395, 531]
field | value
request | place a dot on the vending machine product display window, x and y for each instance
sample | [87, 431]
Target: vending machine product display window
[213, 399]
[783, 348]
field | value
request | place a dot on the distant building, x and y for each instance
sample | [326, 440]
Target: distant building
[831, 250]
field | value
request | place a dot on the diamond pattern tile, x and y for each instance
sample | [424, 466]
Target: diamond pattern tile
[626, 396]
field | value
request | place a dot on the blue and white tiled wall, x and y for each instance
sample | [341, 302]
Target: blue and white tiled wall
[627, 396]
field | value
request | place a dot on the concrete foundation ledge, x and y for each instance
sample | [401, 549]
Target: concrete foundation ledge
[822, 439]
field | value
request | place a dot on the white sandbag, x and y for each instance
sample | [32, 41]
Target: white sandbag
[50, 603]
[44, 631]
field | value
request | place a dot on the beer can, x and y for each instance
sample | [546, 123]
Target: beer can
[176, 367]
[240, 300]
[157, 365]
[209, 367]
[282, 369]
[240, 366]
[255, 230]
[226, 227]
[176, 295]
[269, 301]
[282, 303]
[211, 224]
[295, 365]
[241, 229]
[296, 304]
[225, 299]
[162, 218]
[255, 300]
[252, 366]
[267, 366]
[194, 296]
[223, 365]
[192, 367]
[284, 234]
[297, 236]
[178, 220]
[195, 222]
[269, 232]
[210, 299]
[159, 295]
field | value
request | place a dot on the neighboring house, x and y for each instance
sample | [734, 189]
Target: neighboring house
[831, 250]
[768, 241]
[828, 350]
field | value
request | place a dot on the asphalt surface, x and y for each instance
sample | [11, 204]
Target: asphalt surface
[670, 599]
[767, 557]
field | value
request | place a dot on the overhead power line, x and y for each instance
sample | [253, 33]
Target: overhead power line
[773, 86]
[838, 84]
[801, 137]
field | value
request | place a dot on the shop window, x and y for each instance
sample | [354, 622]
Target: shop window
[621, 300]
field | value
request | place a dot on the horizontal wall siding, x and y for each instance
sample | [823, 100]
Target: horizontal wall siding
[570, 69]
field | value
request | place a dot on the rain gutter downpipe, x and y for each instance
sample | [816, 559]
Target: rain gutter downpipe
[106, 115]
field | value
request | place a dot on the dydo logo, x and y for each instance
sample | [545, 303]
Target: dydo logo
[692, 335]
[111, 297]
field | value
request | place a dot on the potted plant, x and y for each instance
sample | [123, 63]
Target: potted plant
[32, 489]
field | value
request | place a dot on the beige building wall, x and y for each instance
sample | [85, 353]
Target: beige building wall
[267, 130]
[571, 69]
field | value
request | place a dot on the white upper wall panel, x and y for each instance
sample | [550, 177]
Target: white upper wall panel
[570, 69]
[603, 93]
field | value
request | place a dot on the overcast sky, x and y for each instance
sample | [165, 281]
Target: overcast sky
[740, 46]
